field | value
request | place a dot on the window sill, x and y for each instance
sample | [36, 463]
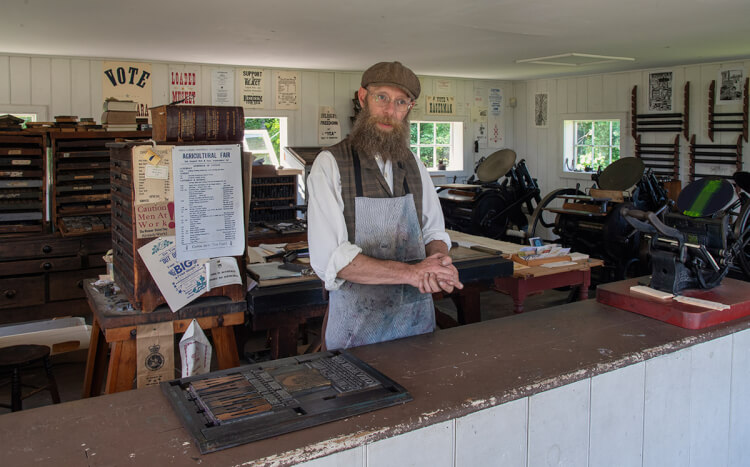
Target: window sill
[577, 175]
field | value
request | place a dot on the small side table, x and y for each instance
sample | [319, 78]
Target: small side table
[527, 280]
[114, 329]
[20, 357]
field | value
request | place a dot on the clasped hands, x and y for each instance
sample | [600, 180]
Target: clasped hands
[436, 273]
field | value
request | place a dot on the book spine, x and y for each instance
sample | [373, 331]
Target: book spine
[198, 124]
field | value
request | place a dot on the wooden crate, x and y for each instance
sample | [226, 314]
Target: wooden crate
[130, 272]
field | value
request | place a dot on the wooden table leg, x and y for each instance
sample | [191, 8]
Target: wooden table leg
[585, 283]
[283, 341]
[519, 293]
[226, 347]
[91, 359]
[467, 304]
[122, 366]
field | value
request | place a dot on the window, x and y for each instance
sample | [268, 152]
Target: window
[438, 144]
[591, 144]
[265, 137]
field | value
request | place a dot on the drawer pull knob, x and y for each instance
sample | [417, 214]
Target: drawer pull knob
[47, 266]
[79, 284]
[46, 249]
[10, 293]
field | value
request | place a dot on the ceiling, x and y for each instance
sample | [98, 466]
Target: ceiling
[460, 38]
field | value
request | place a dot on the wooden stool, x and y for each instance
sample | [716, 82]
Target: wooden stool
[19, 357]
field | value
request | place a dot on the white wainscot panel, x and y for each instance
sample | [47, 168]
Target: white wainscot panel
[666, 440]
[709, 402]
[432, 445]
[739, 421]
[349, 458]
[617, 401]
[494, 436]
[559, 425]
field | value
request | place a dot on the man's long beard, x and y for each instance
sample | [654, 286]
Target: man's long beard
[367, 137]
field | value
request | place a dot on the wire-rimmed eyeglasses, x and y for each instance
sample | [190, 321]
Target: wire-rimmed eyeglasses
[383, 100]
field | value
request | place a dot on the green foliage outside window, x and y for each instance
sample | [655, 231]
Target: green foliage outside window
[597, 143]
[432, 142]
[271, 125]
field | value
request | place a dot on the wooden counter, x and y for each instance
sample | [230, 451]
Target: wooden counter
[460, 378]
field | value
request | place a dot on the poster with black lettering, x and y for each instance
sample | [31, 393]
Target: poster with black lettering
[495, 119]
[252, 88]
[127, 81]
[208, 201]
[287, 90]
[184, 84]
[222, 87]
[439, 105]
[329, 130]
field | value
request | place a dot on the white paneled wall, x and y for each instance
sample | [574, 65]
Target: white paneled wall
[606, 94]
[73, 86]
[687, 408]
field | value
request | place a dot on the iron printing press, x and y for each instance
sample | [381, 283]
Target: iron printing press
[593, 222]
[486, 207]
[695, 247]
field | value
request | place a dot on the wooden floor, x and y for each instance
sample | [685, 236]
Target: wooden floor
[69, 368]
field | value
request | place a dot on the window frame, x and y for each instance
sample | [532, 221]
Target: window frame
[567, 128]
[283, 132]
[456, 159]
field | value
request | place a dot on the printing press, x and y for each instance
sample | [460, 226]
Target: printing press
[695, 247]
[593, 223]
[484, 207]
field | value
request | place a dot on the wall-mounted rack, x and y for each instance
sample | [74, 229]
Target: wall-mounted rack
[717, 120]
[659, 122]
[714, 154]
[663, 159]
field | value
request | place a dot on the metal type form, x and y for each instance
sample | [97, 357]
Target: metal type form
[495, 165]
[252, 402]
[594, 224]
[696, 247]
[492, 209]
[622, 174]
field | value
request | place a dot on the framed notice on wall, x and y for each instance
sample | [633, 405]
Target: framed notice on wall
[660, 93]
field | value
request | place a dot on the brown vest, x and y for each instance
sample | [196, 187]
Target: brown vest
[373, 182]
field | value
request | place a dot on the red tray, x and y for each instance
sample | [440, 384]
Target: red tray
[731, 292]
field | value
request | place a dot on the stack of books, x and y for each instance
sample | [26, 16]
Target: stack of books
[119, 115]
[66, 122]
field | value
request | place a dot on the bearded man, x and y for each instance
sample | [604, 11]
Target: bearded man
[375, 228]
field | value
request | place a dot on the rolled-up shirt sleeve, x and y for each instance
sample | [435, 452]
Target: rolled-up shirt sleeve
[433, 224]
[327, 237]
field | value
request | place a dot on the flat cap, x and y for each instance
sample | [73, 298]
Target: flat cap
[393, 74]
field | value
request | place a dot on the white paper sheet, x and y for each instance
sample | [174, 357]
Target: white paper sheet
[208, 201]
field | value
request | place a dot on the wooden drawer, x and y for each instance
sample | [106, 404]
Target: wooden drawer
[32, 266]
[69, 285]
[41, 248]
[96, 245]
[22, 291]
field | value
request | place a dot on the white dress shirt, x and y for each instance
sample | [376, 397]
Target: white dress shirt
[327, 236]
